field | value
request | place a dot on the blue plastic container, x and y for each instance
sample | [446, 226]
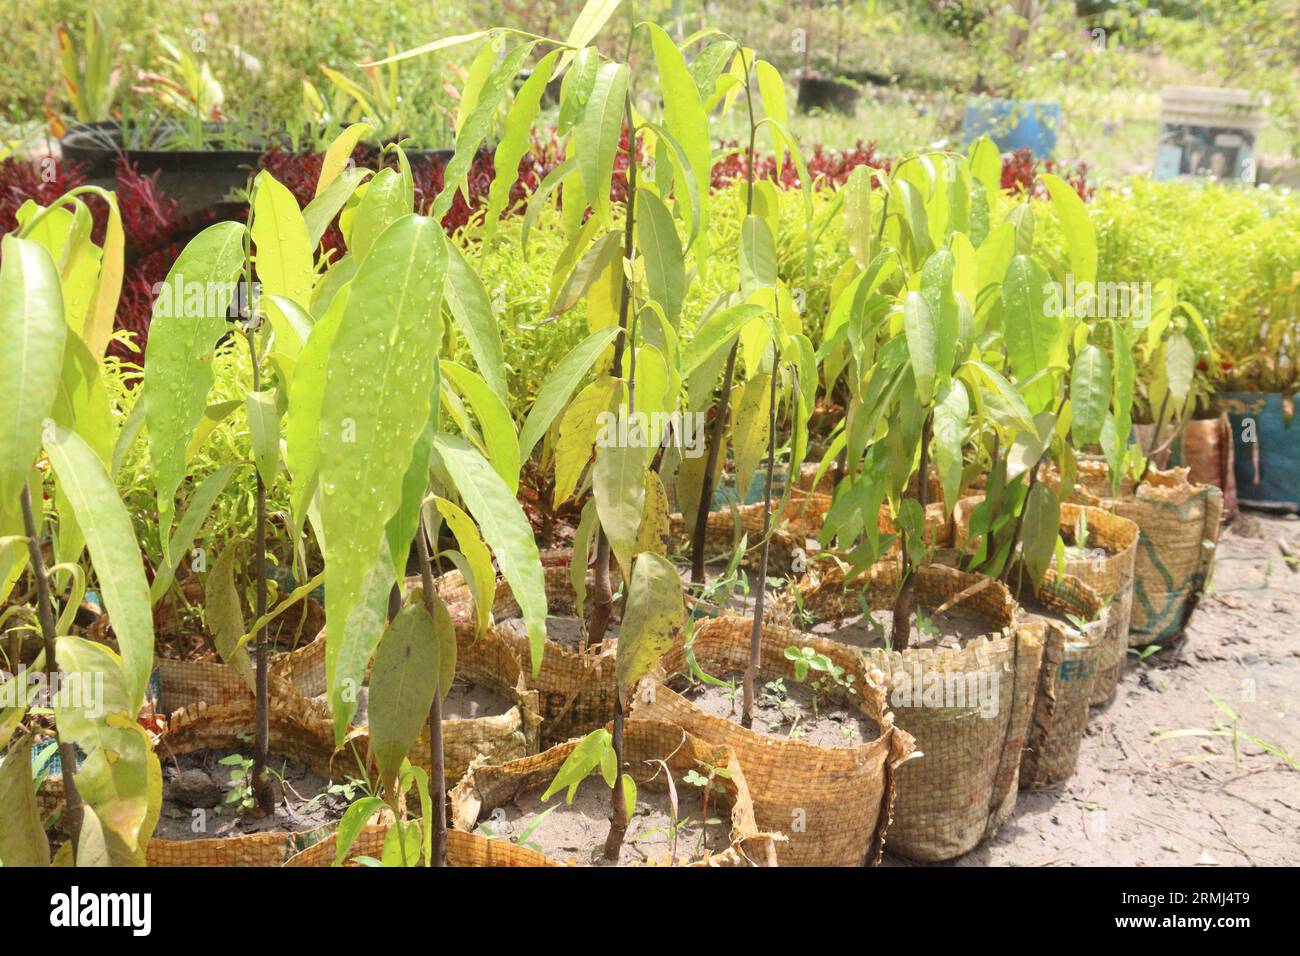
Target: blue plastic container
[1014, 124]
[1261, 434]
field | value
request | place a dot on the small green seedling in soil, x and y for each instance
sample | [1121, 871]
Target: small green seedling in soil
[240, 794]
[805, 659]
[522, 839]
[595, 751]
[926, 625]
[803, 617]
[1142, 654]
[1233, 732]
[775, 691]
[709, 785]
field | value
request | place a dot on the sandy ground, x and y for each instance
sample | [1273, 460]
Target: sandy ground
[1138, 800]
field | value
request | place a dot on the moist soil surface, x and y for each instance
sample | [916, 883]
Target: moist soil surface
[198, 781]
[785, 709]
[578, 831]
[465, 701]
[564, 629]
[1138, 800]
[955, 628]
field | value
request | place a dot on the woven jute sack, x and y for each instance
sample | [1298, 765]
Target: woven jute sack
[833, 803]
[574, 688]
[1071, 658]
[1178, 524]
[463, 849]
[938, 527]
[184, 683]
[299, 731]
[801, 520]
[488, 663]
[965, 785]
[645, 743]
[1107, 569]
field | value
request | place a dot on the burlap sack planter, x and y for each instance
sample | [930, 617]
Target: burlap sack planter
[938, 527]
[485, 662]
[1071, 659]
[832, 803]
[802, 519]
[299, 731]
[1178, 524]
[463, 849]
[964, 786]
[185, 683]
[1108, 569]
[490, 664]
[485, 788]
[574, 689]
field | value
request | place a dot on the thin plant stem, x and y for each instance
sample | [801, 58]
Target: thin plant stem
[756, 635]
[49, 630]
[438, 776]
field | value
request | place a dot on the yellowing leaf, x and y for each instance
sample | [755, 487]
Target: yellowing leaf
[655, 611]
[577, 432]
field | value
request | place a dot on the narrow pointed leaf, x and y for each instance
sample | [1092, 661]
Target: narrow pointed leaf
[655, 611]
[33, 330]
[110, 538]
[506, 530]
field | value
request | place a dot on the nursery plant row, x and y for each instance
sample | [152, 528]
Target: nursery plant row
[754, 548]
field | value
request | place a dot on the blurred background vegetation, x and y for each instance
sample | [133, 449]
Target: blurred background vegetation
[915, 62]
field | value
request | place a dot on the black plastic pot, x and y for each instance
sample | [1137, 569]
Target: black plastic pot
[832, 96]
[197, 178]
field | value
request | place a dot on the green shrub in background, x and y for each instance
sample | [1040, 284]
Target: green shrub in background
[1235, 255]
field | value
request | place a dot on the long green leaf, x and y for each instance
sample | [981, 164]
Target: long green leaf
[471, 307]
[178, 358]
[655, 611]
[384, 202]
[598, 132]
[514, 142]
[110, 538]
[950, 414]
[33, 330]
[225, 615]
[402, 686]
[477, 126]
[495, 423]
[1033, 331]
[618, 482]
[922, 345]
[374, 405]
[559, 387]
[200, 506]
[264, 431]
[1080, 237]
[320, 212]
[506, 530]
[22, 835]
[283, 255]
[684, 117]
[1090, 391]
